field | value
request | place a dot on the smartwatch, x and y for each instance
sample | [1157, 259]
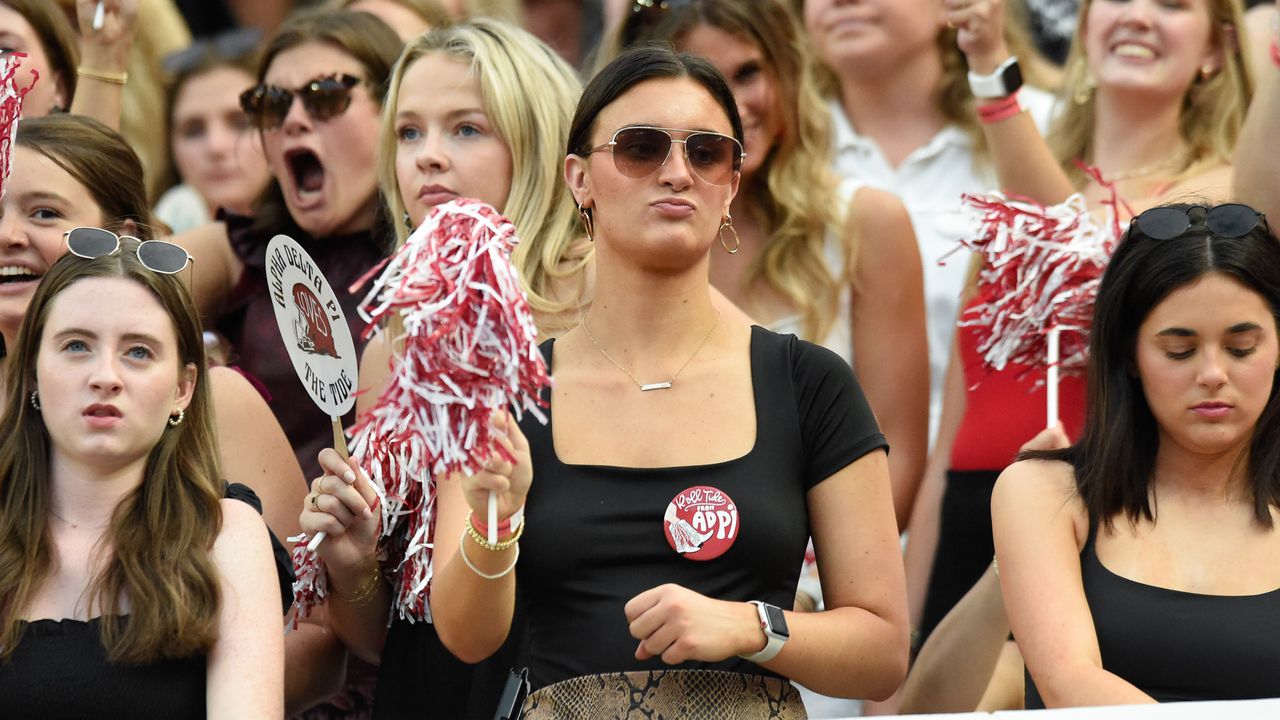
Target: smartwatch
[774, 624]
[1004, 82]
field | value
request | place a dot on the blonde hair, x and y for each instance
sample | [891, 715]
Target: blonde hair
[955, 99]
[794, 192]
[1213, 109]
[529, 94]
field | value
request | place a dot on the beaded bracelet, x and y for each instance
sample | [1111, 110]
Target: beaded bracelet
[462, 550]
[483, 541]
[364, 591]
[119, 78]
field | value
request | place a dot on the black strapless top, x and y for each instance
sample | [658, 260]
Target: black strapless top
[60, 671]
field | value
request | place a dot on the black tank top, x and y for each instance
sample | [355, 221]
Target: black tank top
[735, 530]
[60, 670]
[1180, 646]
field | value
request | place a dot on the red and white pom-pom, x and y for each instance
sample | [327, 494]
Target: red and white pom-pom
[470, 349]
[1042, 268]
[10, 110]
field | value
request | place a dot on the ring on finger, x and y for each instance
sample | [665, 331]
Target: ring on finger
[315, 497]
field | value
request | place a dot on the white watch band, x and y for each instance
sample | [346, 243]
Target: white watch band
[990, 86]
[773, 643]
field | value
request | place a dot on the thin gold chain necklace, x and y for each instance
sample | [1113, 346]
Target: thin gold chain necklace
[646, 387]
[1173, 163]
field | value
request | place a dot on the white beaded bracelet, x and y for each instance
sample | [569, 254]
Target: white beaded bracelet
[462, 550]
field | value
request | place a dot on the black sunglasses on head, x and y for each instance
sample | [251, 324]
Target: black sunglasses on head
[1230, 220]
[323, 98]
[158, 256]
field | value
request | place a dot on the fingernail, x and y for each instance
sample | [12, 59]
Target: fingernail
[368, 512]
[349, 476]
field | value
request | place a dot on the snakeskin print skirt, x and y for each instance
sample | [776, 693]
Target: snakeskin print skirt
[667, 695]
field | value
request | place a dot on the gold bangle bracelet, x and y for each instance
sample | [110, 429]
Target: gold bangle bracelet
[462, 550]
[114, 78]
[366, 589]
[483, 542]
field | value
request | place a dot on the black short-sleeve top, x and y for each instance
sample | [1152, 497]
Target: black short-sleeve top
[736, 530]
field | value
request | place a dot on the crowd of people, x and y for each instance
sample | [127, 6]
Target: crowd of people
[776, 467]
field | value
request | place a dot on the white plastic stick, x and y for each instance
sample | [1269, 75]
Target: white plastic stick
[99, 15]
[1051, 389]
[493, 518]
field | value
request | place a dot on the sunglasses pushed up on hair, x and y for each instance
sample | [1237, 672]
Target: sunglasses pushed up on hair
[1230, 220]
[323, 98]
[639, 151]
[157, 256]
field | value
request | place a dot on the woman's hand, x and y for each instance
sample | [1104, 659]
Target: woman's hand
[341, 504]
[679, 624]
[107, 48]
[979, 28]
[509, 480]
[1051, 438]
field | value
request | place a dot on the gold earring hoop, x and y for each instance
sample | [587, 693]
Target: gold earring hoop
[587, 223]
[1084, 93]
[727, 224]
[176, 420]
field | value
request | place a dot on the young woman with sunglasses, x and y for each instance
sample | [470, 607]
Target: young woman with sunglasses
[836, 264]
[1132, 558]
[687, 457]
[131, 588]
[321, 79]
[466, 106]
[1154, 97]
[69, 172]
[217, 158]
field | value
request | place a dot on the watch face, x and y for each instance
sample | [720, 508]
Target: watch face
[777, 621]
[1012, 78]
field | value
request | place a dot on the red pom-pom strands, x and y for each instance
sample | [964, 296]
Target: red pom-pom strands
[470, 350]
[1042, 265]
[10, 109]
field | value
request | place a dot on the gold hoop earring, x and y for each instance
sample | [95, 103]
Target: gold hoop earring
[176, 420]
[1084, 93]
[587, 223]
[727, 224]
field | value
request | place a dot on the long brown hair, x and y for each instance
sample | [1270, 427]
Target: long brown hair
[794, 192]
[158, 546]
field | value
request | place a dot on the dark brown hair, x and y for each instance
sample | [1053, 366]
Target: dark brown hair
[99, 159]
[157, 549]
